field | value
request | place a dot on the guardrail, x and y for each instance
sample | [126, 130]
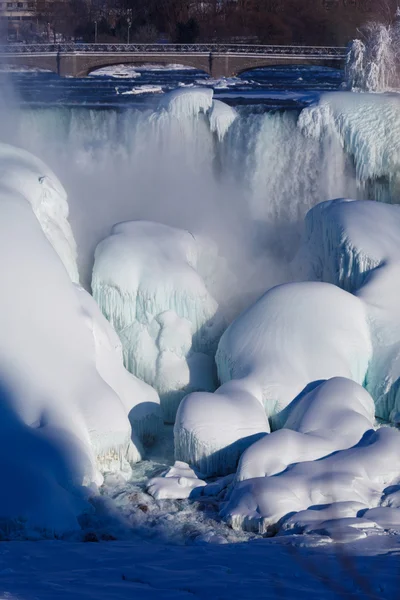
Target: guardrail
[79, 48]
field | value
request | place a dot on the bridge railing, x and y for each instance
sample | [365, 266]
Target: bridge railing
[248, 49]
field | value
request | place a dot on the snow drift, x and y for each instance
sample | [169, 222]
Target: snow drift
[146, 282]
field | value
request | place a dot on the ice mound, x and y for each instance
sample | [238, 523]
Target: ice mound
[294, 335]
[333, 416]
[367, 126]
[177, 483]
[187, 102]
[64, 395]
[212, 430]
[146, 282]
[25, 174]
[221, 117]
[359, 474]
[354, 244]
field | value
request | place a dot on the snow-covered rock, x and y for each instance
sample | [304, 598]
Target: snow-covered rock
[333, 416]
[294, 335]
[146, 282]
[177, 483]
[25, 174]
[212, 430]
[358, 474]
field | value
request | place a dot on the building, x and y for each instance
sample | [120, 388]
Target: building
[18, 20]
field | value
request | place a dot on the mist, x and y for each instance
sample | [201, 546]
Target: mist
[248, 194]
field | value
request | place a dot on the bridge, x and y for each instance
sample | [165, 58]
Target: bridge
[218, 60]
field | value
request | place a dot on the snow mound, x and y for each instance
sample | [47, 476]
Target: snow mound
[187, 102]
[354, 244]
[212, 430]
[177, 483]
[64, 395]
[294, 335]
[25, 174]
[221, 117]
[333, 416]
[358, 474]
[146, 283]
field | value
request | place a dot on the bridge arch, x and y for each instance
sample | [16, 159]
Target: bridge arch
[88, 64]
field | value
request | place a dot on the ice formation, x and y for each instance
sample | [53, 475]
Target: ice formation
[178, 482]
[22, 172]
[187, 102]
[221, 117]
[66, 398]
[294, 335]
[359, 474]
[366, 125]
[146, 282]
[354, 244]
[212, 430]
[372, 61]
[333, 416]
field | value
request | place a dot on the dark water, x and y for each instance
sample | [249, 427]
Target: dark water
[272, 86]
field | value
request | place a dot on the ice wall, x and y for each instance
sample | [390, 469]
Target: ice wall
[355, 246]
[147, 283]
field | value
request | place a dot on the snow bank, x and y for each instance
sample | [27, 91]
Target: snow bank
[354, 244]
[294, 335]
[333, 416]
[64, 395]
[221, 117]
[358, 474]
[25, 174]
[212, 430]
[146, 282]
[187, 102]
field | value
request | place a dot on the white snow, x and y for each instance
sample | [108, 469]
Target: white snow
[212, 430]
[294, 335]
[146, 282]
[25, 174]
